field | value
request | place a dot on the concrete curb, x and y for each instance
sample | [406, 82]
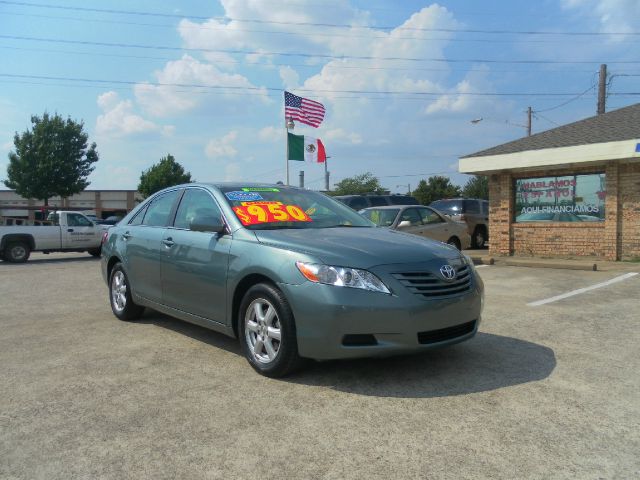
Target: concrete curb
[564, 265]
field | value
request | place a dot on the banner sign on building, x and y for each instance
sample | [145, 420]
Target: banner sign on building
[568, 198]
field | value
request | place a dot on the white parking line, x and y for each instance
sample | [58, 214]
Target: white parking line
[581, 290]
[480, 266]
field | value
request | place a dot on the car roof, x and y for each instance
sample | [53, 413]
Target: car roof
[390, 207]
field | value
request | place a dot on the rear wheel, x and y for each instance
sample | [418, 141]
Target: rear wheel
[17, 252]
[478, 238]
[268, 332]
[453, 241]
[120, 295]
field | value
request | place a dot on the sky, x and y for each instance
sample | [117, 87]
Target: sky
[401, 81]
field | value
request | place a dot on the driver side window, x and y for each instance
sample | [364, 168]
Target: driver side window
[196, 203]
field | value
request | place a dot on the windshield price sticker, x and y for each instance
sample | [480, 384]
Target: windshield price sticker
[239, 196]
[257, 213]
[260, 189]
[260, 202]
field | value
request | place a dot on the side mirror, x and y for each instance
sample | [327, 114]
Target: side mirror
[206, 223]
[404, 224]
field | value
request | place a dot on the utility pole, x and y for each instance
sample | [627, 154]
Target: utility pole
[301, 178]
[529, 113]
[326, 175]
[602, 89]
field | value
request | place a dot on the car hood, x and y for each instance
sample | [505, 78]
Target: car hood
[358, 247]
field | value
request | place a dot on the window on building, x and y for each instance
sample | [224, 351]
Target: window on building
[567, 198]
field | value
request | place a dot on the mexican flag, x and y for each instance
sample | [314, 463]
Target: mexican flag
[306, 148]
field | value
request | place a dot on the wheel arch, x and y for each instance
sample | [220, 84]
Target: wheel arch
[112, 261]
[17, 237]
[240, 290]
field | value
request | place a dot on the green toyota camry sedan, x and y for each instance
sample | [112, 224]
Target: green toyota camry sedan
[292, 273]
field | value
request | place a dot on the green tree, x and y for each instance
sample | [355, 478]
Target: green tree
[359, 185]
[476, 187]
[435, 188]
[166, 173]
[51, 159]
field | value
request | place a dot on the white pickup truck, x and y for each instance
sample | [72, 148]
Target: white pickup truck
[62, 232]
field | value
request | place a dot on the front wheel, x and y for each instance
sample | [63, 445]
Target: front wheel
[120, 295]
[267, 331]
[454, 242]
[17, 252]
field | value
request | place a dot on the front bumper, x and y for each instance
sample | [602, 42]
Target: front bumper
[327, 317]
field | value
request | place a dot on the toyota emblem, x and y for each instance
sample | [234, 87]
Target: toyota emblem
[448, 272]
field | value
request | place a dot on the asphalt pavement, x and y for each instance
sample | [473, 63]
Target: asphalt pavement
[544, 391]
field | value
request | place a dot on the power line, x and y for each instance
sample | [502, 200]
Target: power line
[311, 55]
[223, 27]
[279, 89]
[307, 24]
[303, 65]
[593, 86]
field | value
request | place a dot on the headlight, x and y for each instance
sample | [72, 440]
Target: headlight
[469, 262]
[342, 277]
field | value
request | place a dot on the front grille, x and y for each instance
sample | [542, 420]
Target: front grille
[432, 285]
[435, 336]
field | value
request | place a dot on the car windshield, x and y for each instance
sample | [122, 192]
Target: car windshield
[263, 208]
[383, 217]
[452, 207]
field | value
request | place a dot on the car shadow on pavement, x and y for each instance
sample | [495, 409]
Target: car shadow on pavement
[487, 362]
[196, 332]
[52, 261]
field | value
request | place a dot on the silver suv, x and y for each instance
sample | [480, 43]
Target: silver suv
[472, 211]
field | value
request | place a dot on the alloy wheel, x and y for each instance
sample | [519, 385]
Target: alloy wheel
[262, 330]
[119, 291]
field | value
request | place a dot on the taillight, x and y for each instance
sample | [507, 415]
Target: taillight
[105, 236]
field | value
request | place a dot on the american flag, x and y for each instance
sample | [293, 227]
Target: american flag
[302, 109]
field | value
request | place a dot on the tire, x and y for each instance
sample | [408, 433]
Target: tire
[120, 295]
[95, 252]
[478, 238]
[453, 241]
[268, 332]
[17, 252]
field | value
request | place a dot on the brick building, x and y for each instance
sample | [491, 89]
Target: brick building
[101, 203]
[570, 191]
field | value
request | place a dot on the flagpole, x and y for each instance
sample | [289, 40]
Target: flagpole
[288, 125]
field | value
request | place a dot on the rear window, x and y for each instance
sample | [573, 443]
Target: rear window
[471, 206]
[357, 203]
[403, 200]
[381, 217]
[452, 207]
[377, 201]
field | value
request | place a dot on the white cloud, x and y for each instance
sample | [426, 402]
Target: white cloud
[338, 135]
[190, 83]
[271, 134]
[7, 146]
[289, 77]
[222, 147]
[613, 15]
[118, 118]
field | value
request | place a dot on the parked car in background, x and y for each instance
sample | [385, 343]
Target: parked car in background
[112, 220]
[472, 211]
[61, 232]
[420, 220]
[358, 202]
[292, 273]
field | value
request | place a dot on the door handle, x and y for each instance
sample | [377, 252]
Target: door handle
[126, 235]
[168, 242]
[69, 229]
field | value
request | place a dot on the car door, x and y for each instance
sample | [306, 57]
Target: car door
[435, 226]
[80, 232]
[194, 263]
[143, 236]
[409, 221]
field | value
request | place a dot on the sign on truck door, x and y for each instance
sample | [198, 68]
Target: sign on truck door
[79, 233]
